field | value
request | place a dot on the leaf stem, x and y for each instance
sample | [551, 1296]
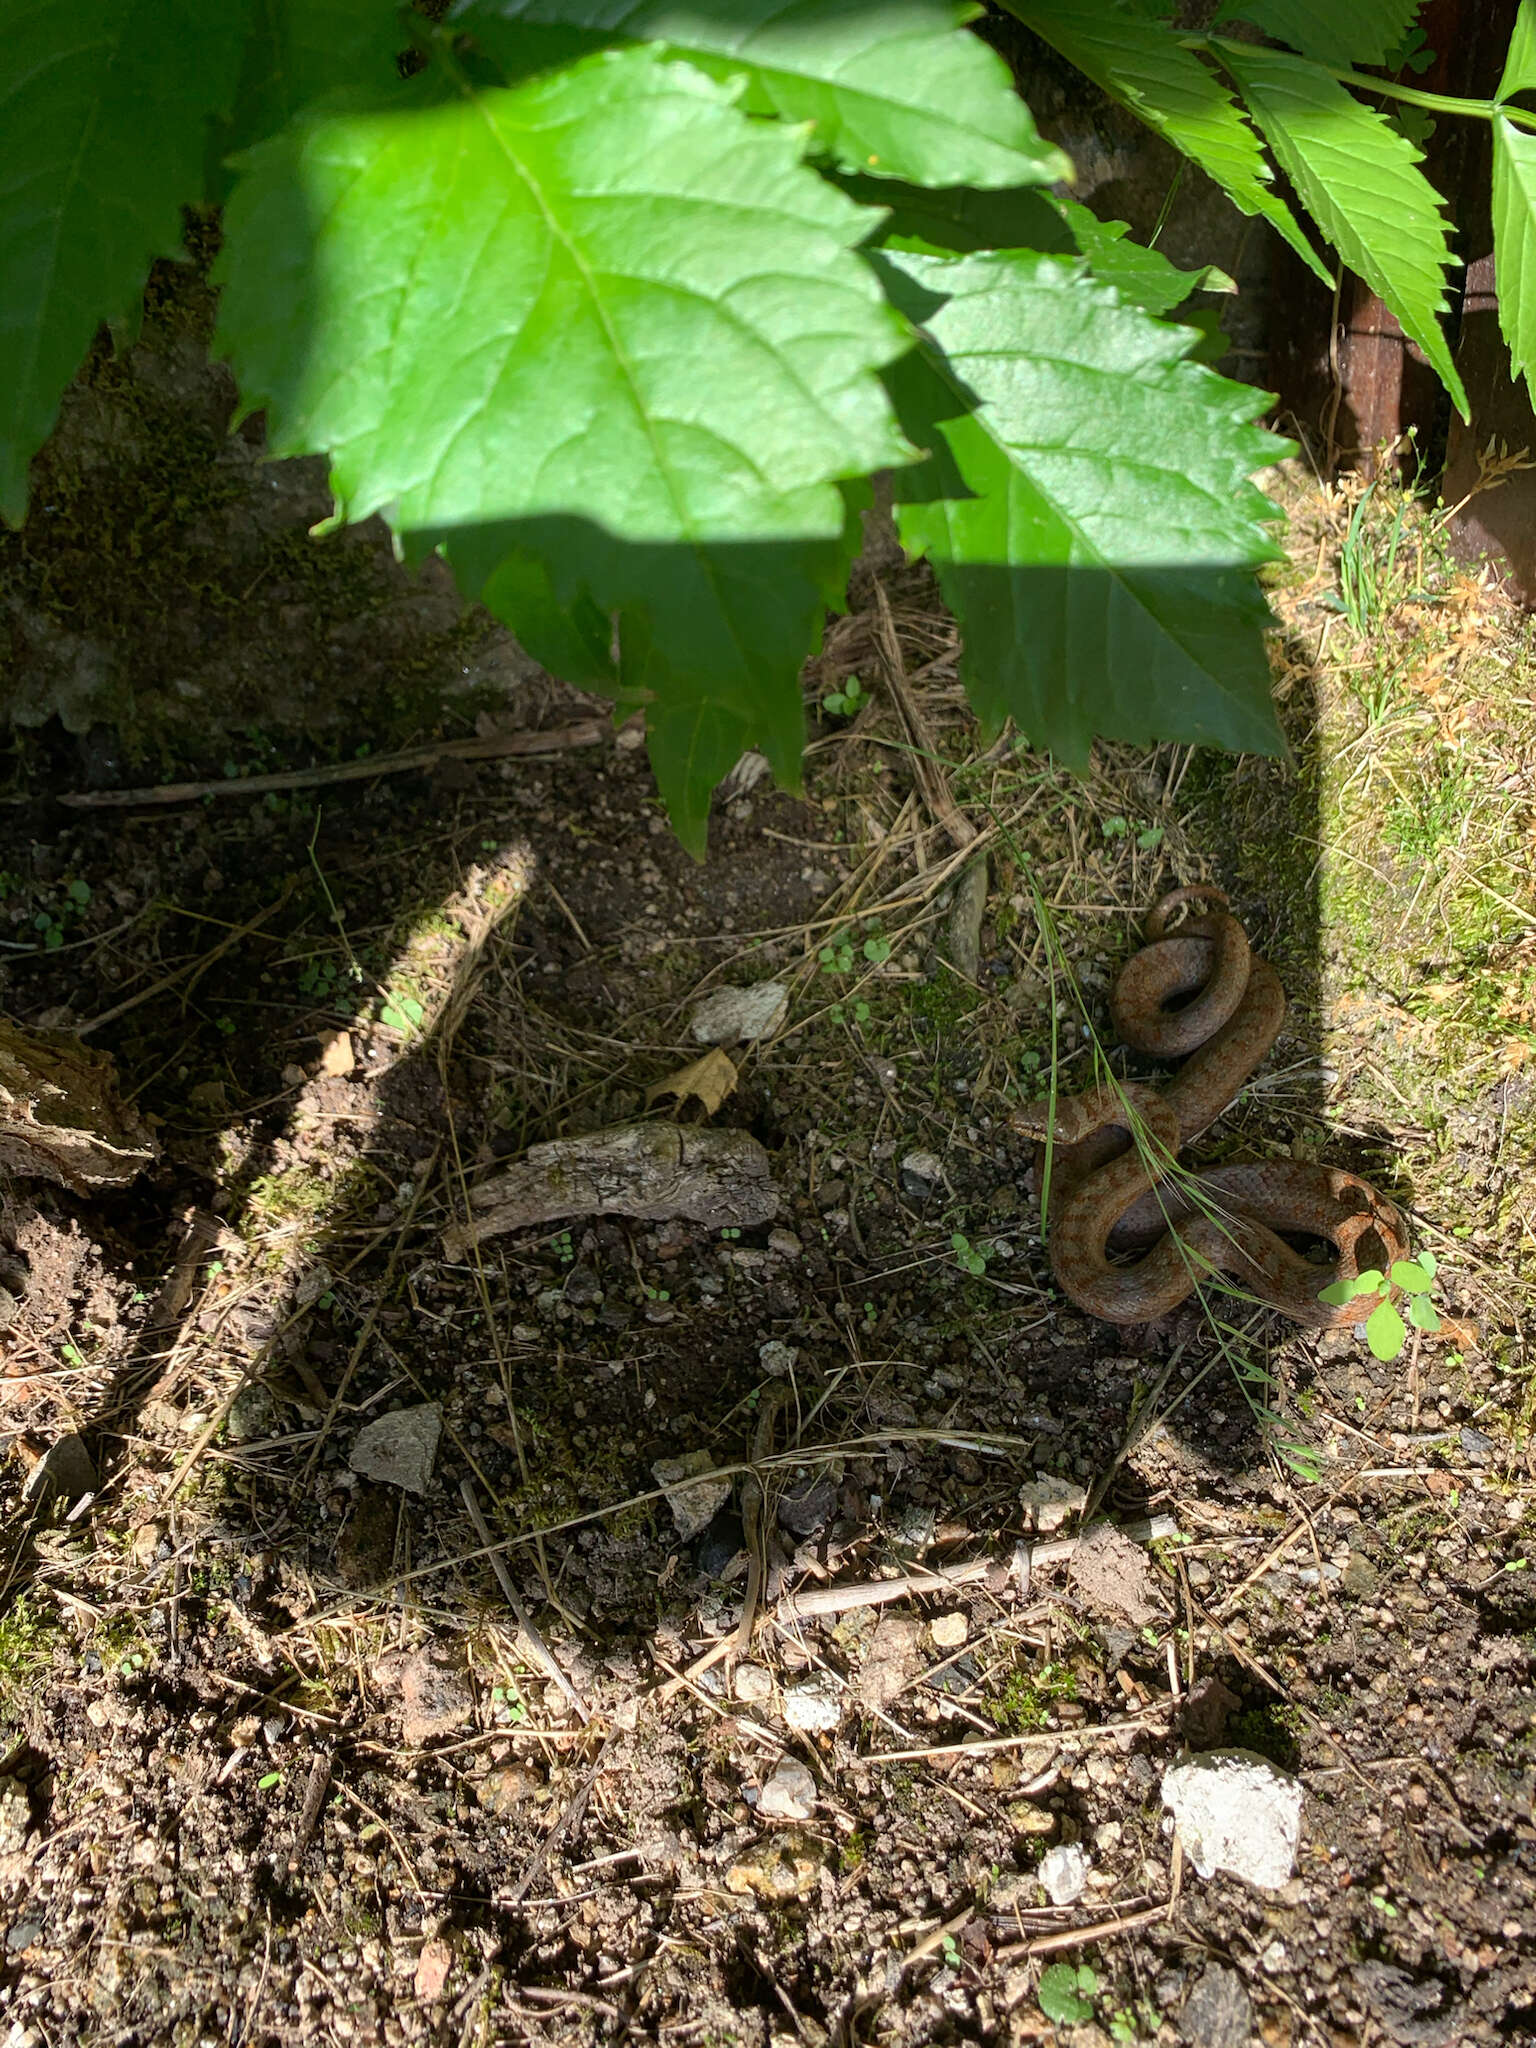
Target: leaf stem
[1410, 95]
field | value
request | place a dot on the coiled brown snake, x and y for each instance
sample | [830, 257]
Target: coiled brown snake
[1196, 990]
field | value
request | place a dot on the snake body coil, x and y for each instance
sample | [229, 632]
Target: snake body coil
[1197, 991]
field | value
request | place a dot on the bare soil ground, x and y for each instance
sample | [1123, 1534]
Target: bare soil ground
[282, 1763]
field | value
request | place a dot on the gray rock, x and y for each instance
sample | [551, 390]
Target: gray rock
[752, 1684]
[1359, 1577]
[813, 1706]
[731, 1015]
[401, 1448]
[65, 1472]
[921, 1173]
[582, 1288]
[1236, 1812]
[693, 1497]
[1412, 2010]
[807, 1506]
[1218, 2013]
[789, 1794]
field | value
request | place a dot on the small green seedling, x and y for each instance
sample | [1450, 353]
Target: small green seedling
[1385, 1330]
[858, 1012]
[877, 951]
[837, 956]
[403, 1014]
[970, 1258]
[1066, 1993]
[845, 702]
[1149, 838]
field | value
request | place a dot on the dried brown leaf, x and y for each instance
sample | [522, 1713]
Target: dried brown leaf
[708, 1080]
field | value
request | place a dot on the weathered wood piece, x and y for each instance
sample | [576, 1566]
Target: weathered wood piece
[653, 1171]
[62, 1117]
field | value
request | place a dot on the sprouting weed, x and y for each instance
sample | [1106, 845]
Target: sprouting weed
[969, 1258]
[1385, 1330]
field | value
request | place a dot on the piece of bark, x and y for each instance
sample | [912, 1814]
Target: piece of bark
[61, 1116]
[654, 1171]
[970, 907]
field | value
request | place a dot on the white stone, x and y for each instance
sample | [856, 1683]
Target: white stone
[1236, 1812]
[790, 1794]
[814, 1706]
[777, 1358]
[751, 1684]
[694, 1498]
[950, 1631]
[1064, 1873]
[731, 1015]
[401, 1448]
[1049, 1501]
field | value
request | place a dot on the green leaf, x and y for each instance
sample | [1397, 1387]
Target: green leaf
[1385, 1332]
[1085, 506]
[902, 89]
[1141, 275]
[1410, 1275]
[605, 293]
[1337, 1293]
[711, 637]
[1360, 32]
[1060, 1998]
[1430, 1263]
[1143, 65]
[104, 107]
[1514, 241]
[1520, 61]
[1370, 1280]
[300, 51]
[957, 219]
[1423, 1314]
[1360, 179]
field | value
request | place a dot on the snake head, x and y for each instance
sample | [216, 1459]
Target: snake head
[1370, 1237]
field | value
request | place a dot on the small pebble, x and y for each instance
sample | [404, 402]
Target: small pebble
[751, 1684]
[1064, 1873]
[400, 1448]
[950, 1631]
[814, 1706]
[789, 1794]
